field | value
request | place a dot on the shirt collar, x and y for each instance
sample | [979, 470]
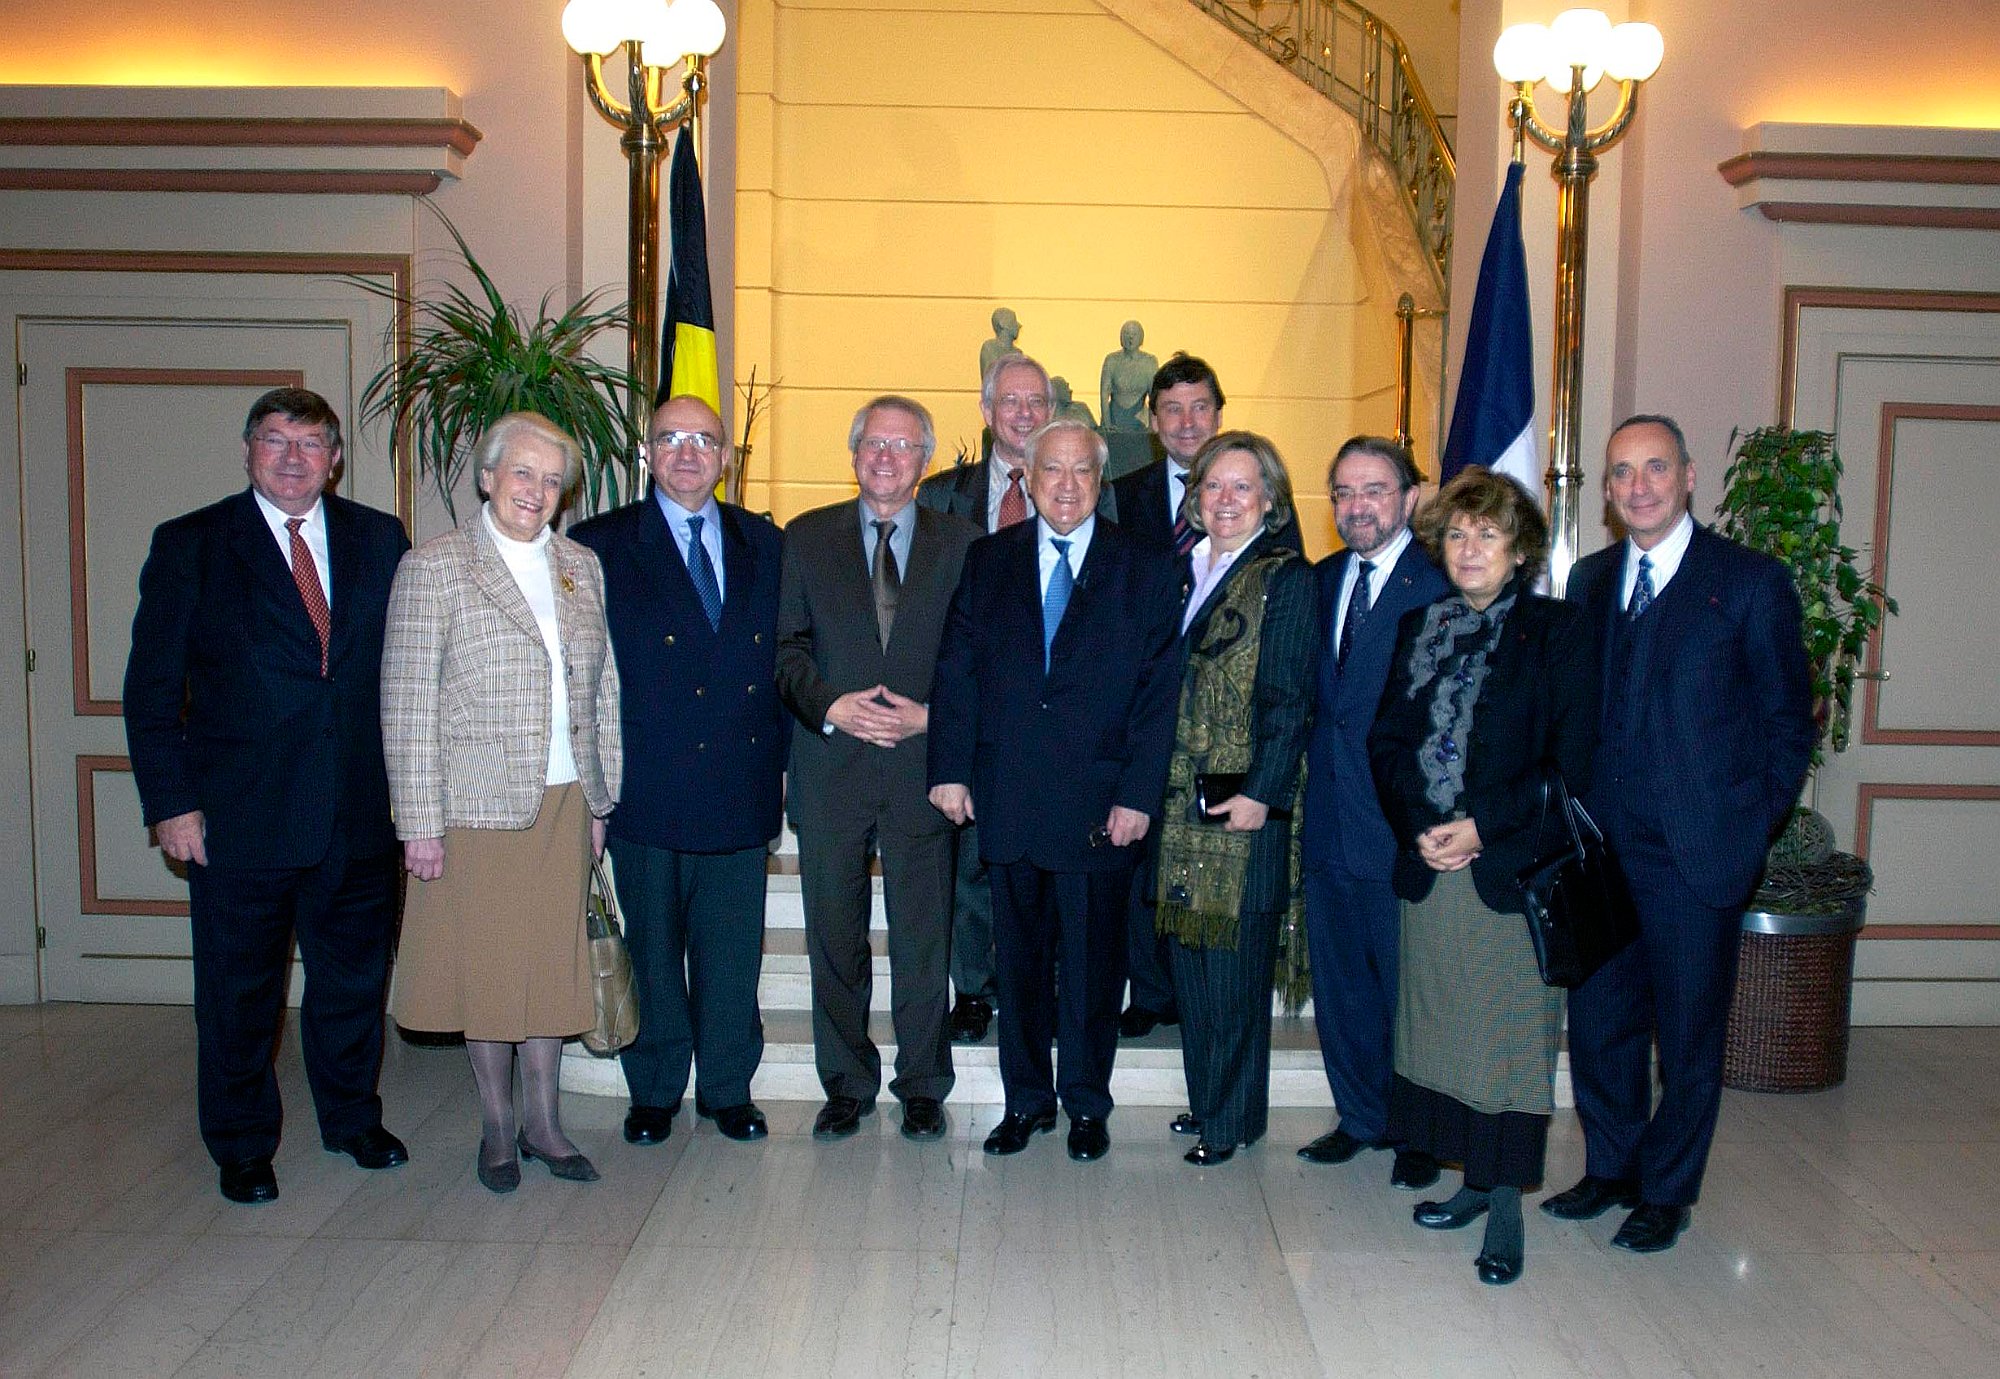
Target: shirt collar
[677, 515]
[1078, 538]
[276, 517]
[1665, 558]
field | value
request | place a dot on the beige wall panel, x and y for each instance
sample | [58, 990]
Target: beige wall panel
[755, 259]
[998, 58]
[1933, 862]
[756, 144]
[1107, 157]
[125, 872]
[1090, 7]
[1111, 254]
[1943, 651]
[753, 333]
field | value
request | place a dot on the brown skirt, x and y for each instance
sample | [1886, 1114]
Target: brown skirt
[495, 947]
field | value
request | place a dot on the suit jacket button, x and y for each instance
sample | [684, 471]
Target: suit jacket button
[699, 691]
[757, 637]
[670, 639]
[701, 746]
[749, 689]
[753, 739]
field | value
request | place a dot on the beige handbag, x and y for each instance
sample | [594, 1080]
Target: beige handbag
[611, 987]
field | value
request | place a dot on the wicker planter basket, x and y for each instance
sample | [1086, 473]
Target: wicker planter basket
[1788, 1019]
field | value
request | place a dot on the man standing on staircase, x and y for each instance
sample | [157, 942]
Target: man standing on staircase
[861, 607]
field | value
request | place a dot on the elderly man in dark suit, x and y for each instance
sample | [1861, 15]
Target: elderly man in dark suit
[1184, 409]
[691, 593]
[1347, 851]
[1052, 723]
[1707, 733]
[861, 608]
[1016, 399]
[253, 712]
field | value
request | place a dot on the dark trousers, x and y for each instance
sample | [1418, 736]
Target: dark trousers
[695, 924]
[971, 919]
[916, 886]
[1353, 934]
[1146, 964]
[343, 912]
[1674, 984]
[1225, 1003]
[1059, 938]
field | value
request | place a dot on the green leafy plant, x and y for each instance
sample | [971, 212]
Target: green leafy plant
[1781, 495]
[474, 358]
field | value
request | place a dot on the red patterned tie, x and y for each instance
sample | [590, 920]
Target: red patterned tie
[1013, 503]
[305, 574]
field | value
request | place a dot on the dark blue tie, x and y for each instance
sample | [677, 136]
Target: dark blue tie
[1642, 588]
[702, 571]
[1358, 606]
[1061, 584]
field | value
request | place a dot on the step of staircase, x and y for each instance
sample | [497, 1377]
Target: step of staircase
[1148, 1071]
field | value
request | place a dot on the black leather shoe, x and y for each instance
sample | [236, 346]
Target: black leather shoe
[1651, 1229]
[1205, 1155]
[571, 1168]
[1011, 1135]
[1088, 1139]
[1591, 1198]
[649, 1124]
[969, 1019]
[1435, 1216]
[1186, 1123]
[1137, 1022]
[1334, 1147]
[741, 1123]
[371, 1148]
[1414, 1170]
[923, 1118]
[249, 1182]
[1497, 1269]
[841, 1117]
[499, 1178]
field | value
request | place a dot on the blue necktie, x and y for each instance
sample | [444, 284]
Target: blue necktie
[1358, 608]
[1061, 584]
[1642, 589]
[702, 571]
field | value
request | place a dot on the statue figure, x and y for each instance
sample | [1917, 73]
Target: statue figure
[1067, 407]
[1006, 330]
[1128, 372]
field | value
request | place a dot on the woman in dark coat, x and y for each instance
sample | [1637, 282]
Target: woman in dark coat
[1225, 876]
[1489, 687]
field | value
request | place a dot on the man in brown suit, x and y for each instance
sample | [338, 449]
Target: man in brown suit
[861, 607]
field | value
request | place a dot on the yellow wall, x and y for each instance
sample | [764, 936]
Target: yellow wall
[903, 171]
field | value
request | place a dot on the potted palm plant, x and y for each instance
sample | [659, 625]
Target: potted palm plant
[1788, 1022]
[474, 358]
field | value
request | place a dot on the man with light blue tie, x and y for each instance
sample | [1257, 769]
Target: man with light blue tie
[1052, 716]
[691, 593]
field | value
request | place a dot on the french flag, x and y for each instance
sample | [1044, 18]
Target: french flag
[1494, 421]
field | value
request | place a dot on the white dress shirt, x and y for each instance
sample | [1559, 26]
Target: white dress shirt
[1666, 558]
[1381, 563]
[1047, 554]
[528, 562]
[313, 529]
[997, 473]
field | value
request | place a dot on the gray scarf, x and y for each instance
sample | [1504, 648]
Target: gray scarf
[1449, 659]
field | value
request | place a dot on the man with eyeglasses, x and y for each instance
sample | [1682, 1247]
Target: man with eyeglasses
[691, 594]
[1353, 920]
[1015, 399]
[861, 606]
[253, 713]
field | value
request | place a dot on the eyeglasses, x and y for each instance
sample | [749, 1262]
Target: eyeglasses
[701, 442]
[1374, 494]
[271, 443]
[899, 446]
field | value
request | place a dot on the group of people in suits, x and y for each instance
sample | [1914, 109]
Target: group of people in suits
[1069, 718]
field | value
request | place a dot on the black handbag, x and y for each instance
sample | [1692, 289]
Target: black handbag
[1580, 910]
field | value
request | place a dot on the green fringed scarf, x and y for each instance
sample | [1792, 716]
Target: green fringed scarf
[1201, 863]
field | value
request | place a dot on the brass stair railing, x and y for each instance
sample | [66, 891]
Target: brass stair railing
[1356, 61]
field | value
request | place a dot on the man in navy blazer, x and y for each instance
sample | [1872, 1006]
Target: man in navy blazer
[253, 714]
[691, 593]
[1707, 734]
[1052, 719]
[1016, 399]
[1348, 854]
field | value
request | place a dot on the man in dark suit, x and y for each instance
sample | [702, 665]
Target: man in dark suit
[1052, 723]
[1184, 409]
[861, 608]
[253, 713]
[691, 593]
[1347, 851]
[1707, 733]
[1016, 399]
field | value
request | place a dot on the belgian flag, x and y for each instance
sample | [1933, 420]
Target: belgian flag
[687, 336]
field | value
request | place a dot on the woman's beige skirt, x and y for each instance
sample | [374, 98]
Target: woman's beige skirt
[495, 947]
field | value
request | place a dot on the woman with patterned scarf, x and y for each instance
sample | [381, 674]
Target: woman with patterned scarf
[1226, 876]
[1490, 686]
